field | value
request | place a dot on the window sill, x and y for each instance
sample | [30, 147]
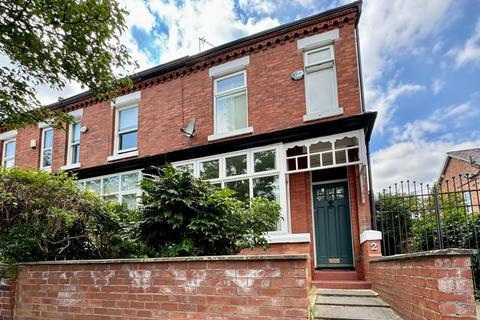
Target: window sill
[316, 116]
[122, 155]
[214, 137]
[288, 237]
[70, 166]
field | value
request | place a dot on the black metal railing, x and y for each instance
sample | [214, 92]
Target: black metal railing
[417, 217]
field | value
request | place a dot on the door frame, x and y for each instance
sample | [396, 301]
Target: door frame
[312, 184]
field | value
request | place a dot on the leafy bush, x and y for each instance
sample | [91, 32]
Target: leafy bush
[183, 215]
[46, 217]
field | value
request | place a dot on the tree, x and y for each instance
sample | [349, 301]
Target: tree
[52, 42]
[184, 216]
[45, 216]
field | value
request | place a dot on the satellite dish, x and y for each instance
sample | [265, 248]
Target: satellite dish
[189, 130]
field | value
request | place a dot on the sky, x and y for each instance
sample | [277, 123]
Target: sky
[420, 59]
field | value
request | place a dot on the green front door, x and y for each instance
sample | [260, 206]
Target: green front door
[333, 235]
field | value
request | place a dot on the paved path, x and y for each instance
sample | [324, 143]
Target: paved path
[352, 305]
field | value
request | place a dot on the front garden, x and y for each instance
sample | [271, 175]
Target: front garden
[46, 216]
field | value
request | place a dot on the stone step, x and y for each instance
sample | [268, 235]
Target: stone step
[347, 293]
[335, 275]
[324, 284]
[351, 301]
[354, 313]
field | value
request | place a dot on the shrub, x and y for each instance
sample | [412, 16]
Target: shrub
[183, 215]
[46, 217]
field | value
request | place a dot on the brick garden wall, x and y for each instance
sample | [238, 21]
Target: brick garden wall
[7, 298]
[233, 287]
[427, 285]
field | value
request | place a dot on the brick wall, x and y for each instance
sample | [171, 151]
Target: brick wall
[427, 285]
[234, 287]
[7, 298]
[168, 104]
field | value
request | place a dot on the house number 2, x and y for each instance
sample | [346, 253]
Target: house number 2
[374, 247]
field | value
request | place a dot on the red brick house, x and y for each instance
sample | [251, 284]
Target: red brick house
[278, 114]
[461, 173]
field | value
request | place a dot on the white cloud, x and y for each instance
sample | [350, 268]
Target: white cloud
[437, 85]
[413, 160]
[258, 6]
[139, 17]
[470, 52]
[413, 155]
[215, 20]
[383, 101]
[389, 29]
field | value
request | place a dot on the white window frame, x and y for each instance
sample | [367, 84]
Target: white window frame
[336, 109]
[43, 149]
[361, 147]
[5, 159]
[131, 100]
[250, 175]
[118, 132]
[70, 163]
[120, 193]
[216, 135]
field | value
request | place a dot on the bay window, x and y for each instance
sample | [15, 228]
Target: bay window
[251, 173]
[121, 188]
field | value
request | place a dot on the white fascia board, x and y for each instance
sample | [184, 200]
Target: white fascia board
[229, 67]
[127, 99]
[318, 40]
[8, 135]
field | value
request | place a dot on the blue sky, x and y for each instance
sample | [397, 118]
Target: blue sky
[421, 63]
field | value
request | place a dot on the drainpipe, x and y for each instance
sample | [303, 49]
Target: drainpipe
[362, 101]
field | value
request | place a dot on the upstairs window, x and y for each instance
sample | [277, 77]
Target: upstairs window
[127, 128]
[321, 83]
[231, 111]
[8, 157]
[74, 144]
[46, 150]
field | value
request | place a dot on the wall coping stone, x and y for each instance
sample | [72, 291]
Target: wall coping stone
[264, 257]
[427, 254]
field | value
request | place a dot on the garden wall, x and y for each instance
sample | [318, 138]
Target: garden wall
[426, 285]
[222, 287]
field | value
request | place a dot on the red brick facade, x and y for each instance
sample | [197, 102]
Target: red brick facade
[275, 102]
[255, 288]
[454, 180]
[426, 287]
[167, 106]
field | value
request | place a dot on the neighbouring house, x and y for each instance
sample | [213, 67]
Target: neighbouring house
[278, 114]
[461, 174]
